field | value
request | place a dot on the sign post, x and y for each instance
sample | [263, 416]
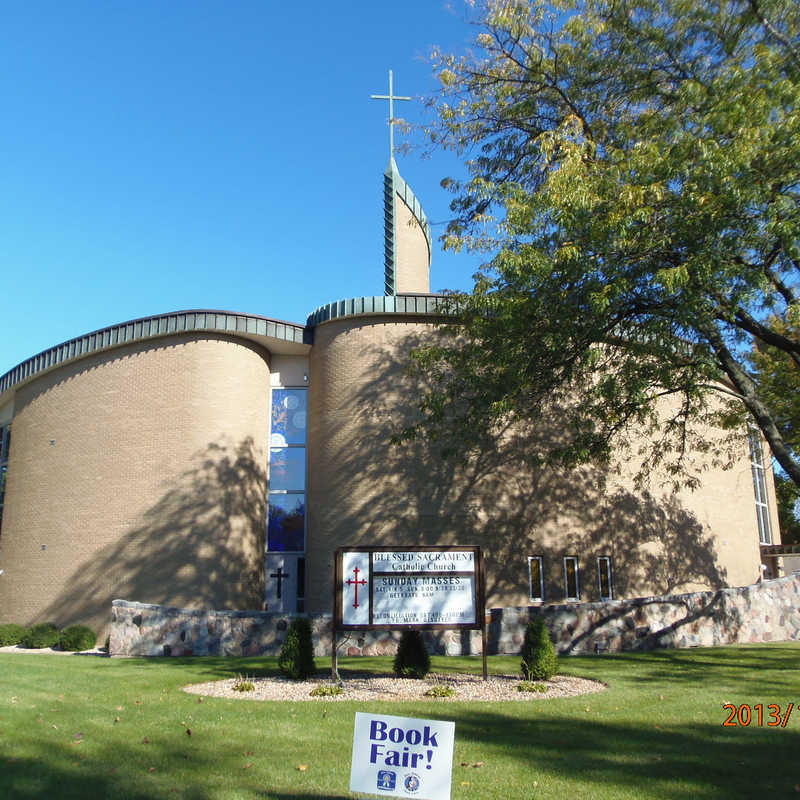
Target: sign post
[411, 588]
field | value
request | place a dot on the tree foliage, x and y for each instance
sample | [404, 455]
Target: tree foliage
[634, 172]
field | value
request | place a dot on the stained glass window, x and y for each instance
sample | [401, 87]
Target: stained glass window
[287, 471]
[571, 582]
[5, 440]
[760, 487]
[536, 578]
[604, 578]
[287, 522]
[289, 415]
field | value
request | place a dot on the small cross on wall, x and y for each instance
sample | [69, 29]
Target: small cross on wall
[280, 575]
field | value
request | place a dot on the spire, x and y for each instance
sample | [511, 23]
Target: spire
[407, 235]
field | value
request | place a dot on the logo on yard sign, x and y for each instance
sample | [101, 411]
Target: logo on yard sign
[411, 782]
[386, 779]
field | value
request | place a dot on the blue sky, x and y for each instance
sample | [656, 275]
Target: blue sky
[169, 155]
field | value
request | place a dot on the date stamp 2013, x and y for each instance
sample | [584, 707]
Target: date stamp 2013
[743, 716]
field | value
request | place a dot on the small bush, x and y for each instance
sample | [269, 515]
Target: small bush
[531, 686]
[296, 660]
[412, 659]
[77, 637]
[326, 690]
[11, 634]
[243, 685]
[440, 690]
[45, 634]
[539, 660]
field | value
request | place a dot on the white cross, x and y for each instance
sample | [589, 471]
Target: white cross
[391, 97]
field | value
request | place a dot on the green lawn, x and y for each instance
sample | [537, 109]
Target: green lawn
[656, 733]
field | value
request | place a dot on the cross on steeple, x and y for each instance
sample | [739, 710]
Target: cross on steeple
[391, 97]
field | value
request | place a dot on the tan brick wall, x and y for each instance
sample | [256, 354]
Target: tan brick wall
[139, 474]
[362, 490]
[413, 255]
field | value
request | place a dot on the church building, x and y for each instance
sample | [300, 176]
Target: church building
[212, 459]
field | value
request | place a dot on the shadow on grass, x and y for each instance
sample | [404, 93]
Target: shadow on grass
[651, 760]
[684, 760]
[758, 669]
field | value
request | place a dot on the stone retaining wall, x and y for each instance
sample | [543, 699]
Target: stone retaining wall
[765, 612]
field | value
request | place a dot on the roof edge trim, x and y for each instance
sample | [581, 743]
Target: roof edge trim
[421, 304]
[143, 328]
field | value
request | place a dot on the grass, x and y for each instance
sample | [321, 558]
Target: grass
[80, 726]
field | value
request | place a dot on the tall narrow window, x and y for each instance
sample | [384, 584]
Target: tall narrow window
[287, 471]
[5, 440]
[760, 487]
[301, 585]
[571, 579]
[536, 578]
[605, 578]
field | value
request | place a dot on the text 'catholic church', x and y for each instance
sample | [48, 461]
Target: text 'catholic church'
[216, 460]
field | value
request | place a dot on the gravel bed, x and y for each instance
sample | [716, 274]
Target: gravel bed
[16, 648]
[467, 687]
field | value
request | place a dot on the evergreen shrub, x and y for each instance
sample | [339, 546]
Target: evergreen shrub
[77, 637]
[412, 659]
[45, 634]
[11, 634]
[296, 659]
[539, 660]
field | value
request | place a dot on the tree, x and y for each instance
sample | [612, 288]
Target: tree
[787, 495]
[634, 170]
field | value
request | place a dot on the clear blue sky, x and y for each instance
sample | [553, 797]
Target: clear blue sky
[160, 155]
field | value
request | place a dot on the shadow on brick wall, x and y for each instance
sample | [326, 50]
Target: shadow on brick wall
[200, 545]
[496, 495]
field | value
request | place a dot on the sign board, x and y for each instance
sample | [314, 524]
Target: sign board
[414, 587]
[402, 757]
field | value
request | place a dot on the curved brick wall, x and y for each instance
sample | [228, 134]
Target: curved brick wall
[138, 472]
[413, 255]
[363, 490]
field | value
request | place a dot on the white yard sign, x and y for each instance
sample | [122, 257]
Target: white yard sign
[402, 757]
[436, 587]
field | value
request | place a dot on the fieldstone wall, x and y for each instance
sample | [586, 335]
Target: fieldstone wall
[764, 612]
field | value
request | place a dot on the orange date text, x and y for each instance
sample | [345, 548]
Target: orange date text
[758, 715]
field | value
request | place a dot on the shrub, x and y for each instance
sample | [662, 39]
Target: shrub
[326, 690]
[412, 659]
[45, 634]
[243, 685]
[539, 660]
[77, 637]
[296, 660]
[531, 686]
[11, 634]
[440, 690]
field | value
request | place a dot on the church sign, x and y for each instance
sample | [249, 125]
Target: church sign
[412, 587]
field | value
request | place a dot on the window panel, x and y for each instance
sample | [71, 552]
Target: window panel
[536, 578]
[760, 488]
[287, 469]
[571, 581]
[289, 415]
[604, 578]
[287, 523]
